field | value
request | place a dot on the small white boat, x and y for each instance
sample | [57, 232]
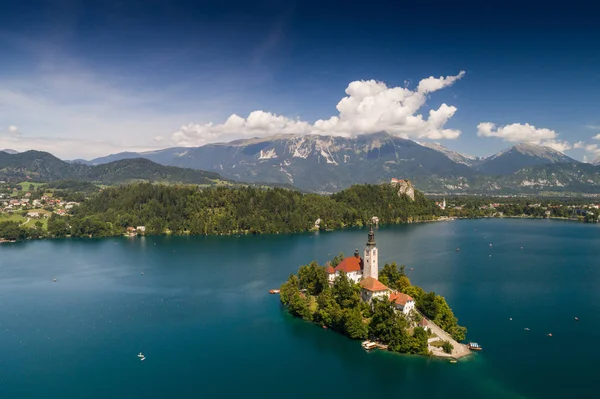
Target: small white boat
[142, 359]
[526, 328]
[368, 345]
[140, 355]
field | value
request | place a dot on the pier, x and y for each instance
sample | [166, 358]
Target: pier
[460, 350]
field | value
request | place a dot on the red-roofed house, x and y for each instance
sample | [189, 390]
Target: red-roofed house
[423, 323]
[357, 268]
[403, 302]
[372, 288]
[352, 265]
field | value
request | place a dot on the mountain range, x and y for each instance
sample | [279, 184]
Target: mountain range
[331, 163]
[326, 164]
[44, 167]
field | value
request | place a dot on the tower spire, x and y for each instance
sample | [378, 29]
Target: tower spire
[371, 268]
[371, 239]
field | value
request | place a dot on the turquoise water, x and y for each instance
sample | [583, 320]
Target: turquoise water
[202, 315]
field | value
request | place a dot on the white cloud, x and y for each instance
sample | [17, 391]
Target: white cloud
[66, 148]
[13, 130]
[516, 132]
[579, 144]
[560, 146]
[519, 133]
[369, 107]
[593, 151]
[596, 137]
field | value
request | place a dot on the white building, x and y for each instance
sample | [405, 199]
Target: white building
[403, 303]
[356, 269]
[352, 266]
[371, 268]
[372, 288]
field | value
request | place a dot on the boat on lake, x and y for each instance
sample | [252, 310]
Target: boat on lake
[474, 346]
[274, 291]
[368, 345]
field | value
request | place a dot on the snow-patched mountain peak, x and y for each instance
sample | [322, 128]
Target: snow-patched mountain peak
[453, 155]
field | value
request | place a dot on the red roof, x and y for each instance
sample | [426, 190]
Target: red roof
[330, 270]
[350, 264]
[372, 284]
[400, 298]
[423, 322]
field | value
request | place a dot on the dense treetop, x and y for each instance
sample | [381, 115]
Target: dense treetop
[220, 210]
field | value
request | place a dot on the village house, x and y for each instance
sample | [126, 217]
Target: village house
[403, 303]
[33, 214]
[352, 266]
[141, 229]
[372, 288]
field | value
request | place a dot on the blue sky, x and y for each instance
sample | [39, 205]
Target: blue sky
[88, 78]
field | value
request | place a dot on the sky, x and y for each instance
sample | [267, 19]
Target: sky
[83, 79]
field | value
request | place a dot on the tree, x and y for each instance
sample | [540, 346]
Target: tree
[419, 342]
[390, 275]
[353, 324]
[337, 259]
[447, 347]
[346, 294]
[299, 305]
[288, 289]
[313, 278]
[329, 313]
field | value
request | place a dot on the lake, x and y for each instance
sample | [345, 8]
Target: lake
[202, 315]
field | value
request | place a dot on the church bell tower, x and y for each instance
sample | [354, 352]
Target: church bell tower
[371, 268]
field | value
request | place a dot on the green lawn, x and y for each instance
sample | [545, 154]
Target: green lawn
[16, 217]
[13, 217]
[25, 186]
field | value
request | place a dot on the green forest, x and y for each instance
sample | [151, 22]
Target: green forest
[191, 210]
[339, 307]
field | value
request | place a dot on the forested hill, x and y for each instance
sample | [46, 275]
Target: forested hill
[41, 166]
[189, 210]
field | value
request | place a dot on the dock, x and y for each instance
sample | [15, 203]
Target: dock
[368, 345]
[460, 350]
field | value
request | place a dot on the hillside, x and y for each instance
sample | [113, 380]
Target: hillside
[44, 167]
[521, 156]
[316, 163]
[329, 164]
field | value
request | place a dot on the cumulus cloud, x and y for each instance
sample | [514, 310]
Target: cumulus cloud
[369, 106]
[579, 144]
[593, 149]
[596, 137]
[560, 146]
[519, 133]
[516, 132]
[13, 130]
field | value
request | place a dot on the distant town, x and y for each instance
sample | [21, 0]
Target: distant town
[30, 203]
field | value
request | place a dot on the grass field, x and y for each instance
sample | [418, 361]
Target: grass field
[17, 217]
[25, 186]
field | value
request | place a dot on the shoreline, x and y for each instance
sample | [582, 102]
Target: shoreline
[440, 219]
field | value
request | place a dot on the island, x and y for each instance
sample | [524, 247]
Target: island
[349, 296]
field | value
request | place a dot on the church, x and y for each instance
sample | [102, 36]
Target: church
[365, 271]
